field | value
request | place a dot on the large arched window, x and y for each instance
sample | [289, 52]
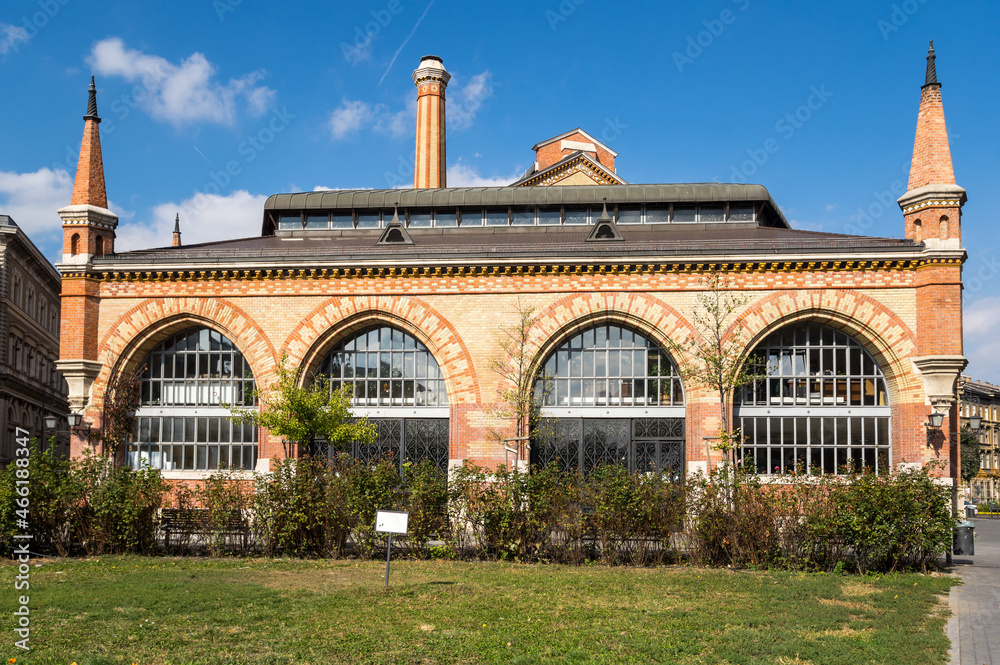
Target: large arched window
[823, 405]
[398, 385]
[610, 395]
[181, 423]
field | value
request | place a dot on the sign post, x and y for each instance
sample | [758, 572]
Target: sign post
[390, 521]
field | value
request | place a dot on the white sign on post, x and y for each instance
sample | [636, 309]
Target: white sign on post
[391, 521]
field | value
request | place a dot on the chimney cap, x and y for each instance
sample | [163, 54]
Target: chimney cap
[431, 67]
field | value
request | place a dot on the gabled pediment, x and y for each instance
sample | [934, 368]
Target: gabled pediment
[578, 168]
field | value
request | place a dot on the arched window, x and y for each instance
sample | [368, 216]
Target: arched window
[610, 395]
[823, 406]
[398, 385]
[17, 289]
[74, 244]
[181, 423]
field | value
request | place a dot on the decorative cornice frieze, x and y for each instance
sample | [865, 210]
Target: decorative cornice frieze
[493, 269]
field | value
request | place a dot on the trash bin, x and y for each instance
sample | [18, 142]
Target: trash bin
[964, 539]
[970, 511]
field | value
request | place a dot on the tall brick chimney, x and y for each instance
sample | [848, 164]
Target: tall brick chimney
[88, 232]
[430, 165]
[932, 205]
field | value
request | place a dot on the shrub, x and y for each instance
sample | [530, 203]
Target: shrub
[52, 491]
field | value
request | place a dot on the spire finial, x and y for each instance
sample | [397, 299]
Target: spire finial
[931, 78]
[92, 103]
[395, 213]
[605, 217]
[177, 223]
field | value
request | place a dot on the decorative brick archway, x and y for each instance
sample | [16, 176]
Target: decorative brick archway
[338, 317]
[140, 329]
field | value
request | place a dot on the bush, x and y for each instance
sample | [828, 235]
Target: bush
[52, 492]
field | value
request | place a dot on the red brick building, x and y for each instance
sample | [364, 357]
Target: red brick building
[400, 293]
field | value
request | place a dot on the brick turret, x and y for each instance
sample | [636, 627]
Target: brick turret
[932, 205]
[88, 232]
[430, 165]
[88, 225]
[932, 210]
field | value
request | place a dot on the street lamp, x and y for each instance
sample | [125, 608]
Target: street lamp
[935, 420]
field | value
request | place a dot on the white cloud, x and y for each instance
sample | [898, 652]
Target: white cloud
[982, 344]
[353, 116]
[33, 198]
[204, 218]
[468, 99]
[187, 92]
[462, 175]
[830, 207]
[10, 37]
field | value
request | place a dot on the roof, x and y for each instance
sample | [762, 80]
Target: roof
[643, 244]
[532, 174]
[346, 199]
[570, 133]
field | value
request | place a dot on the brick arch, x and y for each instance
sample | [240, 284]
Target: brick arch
[645, 313]
[140, 329]
[877, 328]
[337, 317]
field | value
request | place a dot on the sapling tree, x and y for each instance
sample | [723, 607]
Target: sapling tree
[519, 397]
[715, 355]
[121, 400]
[971, 454]
[306, 412]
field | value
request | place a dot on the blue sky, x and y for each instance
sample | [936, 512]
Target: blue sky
[303, 95]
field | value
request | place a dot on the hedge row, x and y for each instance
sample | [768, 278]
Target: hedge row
[320, 508]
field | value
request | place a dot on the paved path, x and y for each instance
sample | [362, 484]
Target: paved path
[974, 627]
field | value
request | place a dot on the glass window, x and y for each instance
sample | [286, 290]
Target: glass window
[290, 222]
[577, 215]
[340, 220]
[685, 213]
[741, 212]
[420, 219]
[657, 214]
[629, 214]
[496, 217]
[446, 217]
[712, 213]
[369, 219]
[821, 405]
[386, 367]
[549, 216]
[523, 216]
[317, 221]
[195, 371]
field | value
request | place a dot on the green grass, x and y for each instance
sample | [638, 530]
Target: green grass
[163, 610]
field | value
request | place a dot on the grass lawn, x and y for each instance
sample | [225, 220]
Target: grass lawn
[165, 610]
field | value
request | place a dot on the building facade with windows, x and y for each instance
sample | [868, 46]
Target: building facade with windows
[981, 400]
[30, 386]
[400, 294]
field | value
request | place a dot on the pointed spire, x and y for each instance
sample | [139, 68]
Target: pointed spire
[931, 76]
[605, 217]
[395, 232]
[89, 189]
[177, 231]
[931, 164]
[92, 103]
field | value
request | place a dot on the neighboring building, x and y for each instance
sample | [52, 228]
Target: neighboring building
[400, 294]
[981, 399]
[30, 386]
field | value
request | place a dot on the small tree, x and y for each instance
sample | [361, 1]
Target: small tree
[971, 454]
[517, 400]
[717, 360]
[121, 399]
[305, 413]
